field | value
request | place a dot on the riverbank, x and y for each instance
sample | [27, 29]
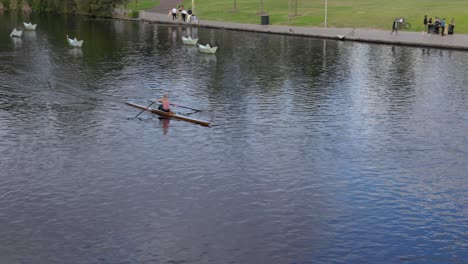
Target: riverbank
[419, 39]
[368, 14]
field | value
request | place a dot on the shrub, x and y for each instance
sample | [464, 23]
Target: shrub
[6, 4]
[133, 14]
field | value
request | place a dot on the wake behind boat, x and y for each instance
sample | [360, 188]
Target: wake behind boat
[170, 114]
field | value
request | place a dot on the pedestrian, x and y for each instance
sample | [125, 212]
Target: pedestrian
[429, 26]
[425, 22]
[189, 15]
[180, 9]
[174, 13]
[451, 26]
[184, 15]
[442, 26]
[395, 26]
[193, 19]
[436, 25]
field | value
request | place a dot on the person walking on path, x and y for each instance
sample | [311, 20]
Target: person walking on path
[430, 26]
[451, 26]
[180, 10]
[193, 19]
[425, 22]
[442, 26]
[174, 13]
[436, 25]
[395, 26]
[184, 15]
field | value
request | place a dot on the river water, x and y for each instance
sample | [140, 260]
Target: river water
[320, 151]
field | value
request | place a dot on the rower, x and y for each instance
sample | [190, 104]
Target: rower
[165, 106]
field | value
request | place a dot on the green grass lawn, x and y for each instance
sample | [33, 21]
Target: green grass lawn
[141, 4]
[376, 14]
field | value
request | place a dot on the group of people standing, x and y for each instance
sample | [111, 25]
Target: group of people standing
[438, 26]
[184, 15]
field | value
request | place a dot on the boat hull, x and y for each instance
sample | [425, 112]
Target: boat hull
[16, 33]
[29, 26]
[75, 43]
[170, 115]
[189, 41]
[207, 49]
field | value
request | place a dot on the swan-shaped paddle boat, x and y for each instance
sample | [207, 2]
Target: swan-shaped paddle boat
[16, 33]
[29, 26]
[189, 41]
[74, 42]
[207, 49]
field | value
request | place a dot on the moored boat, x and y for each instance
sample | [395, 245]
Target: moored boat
[29, 26]
[74, 42]
[207, 49]
[189, 41]
[16, 33]
[170, 115]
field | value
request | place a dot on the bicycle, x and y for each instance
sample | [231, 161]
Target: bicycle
[401, 24]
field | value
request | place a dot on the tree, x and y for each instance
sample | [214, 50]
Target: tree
[101, 8]
[295, 8]
[295, 13]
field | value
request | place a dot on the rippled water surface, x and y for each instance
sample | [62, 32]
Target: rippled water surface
[319, 151]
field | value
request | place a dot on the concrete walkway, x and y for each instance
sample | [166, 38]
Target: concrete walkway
[419, 39]
[165, 6]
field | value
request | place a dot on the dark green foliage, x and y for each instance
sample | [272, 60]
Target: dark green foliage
[133, 14]
[6, 3]
[101, 8]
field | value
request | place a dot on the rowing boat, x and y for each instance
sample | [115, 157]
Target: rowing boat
[170, 115]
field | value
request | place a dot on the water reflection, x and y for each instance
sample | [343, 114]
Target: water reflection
[165, 124]
[75, 52]
[207, 58]
[319, 149]
[30, 35]
[189, 51]
[17, 42]
[190, 31]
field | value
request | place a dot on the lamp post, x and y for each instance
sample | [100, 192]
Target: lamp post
[326, 11]
[295, 11]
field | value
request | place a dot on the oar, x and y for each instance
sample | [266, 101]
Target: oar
[146, 108]
[181, 106]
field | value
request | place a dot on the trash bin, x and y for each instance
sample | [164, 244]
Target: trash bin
[265, 20]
